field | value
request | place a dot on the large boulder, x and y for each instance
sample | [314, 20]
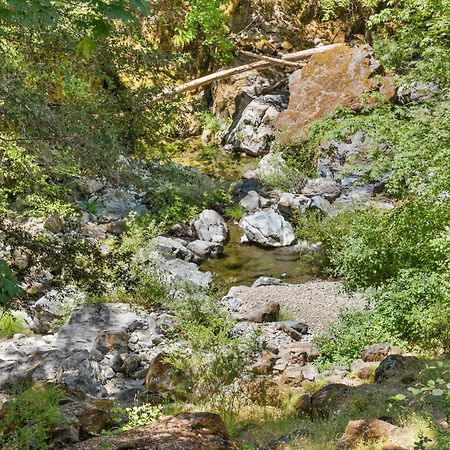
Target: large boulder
[54, 305]
[187, 431]
[117, 204]
[358, 431]
[253, 202]
[183, 272]
[211, 227]
[81, 354]
[171, 272]
[268, 312]
[331, 399]
[324, 187]
[204, 250]
[291, 204]
[268, 229]
[232, 95]
[171, 248]
[377, 352]
[398, 369]
[337, 77]
[87, 322]
[254, 132]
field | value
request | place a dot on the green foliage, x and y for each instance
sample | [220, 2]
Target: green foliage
[184, 195]
[379, 244]
[138, 288]
[140, 230]
[215, 359]
[432, 388]
[205, 21]
[128, 281]
[22, 178]
[302, 156]
[415, 307]
[141, 415]
[210, 122]
[354, 331]
[95, 17]
[9, 287]
[10, 324]
[278, 174]
[72, 260]
[413, 38]
[235, 212]
[397, 135]
[404, 254]
[29, 417]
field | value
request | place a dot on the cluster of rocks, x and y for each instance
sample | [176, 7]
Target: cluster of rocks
[261, 107]
[287, 351]
[337, 77]
[116, 351]
[339, 185]
[103, 350]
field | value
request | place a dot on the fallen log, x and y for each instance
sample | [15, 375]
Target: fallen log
[275, 61]
[225, 73]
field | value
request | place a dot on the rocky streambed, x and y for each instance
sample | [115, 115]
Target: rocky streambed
[114, 351]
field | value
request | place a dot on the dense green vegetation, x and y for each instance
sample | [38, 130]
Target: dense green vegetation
[400, 256]
[32, 413]
[79, 89]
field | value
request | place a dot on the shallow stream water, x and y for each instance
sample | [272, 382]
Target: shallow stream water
[244, 263]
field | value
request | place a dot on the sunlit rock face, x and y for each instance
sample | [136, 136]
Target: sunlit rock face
[338, 77]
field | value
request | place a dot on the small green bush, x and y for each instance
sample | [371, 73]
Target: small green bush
[215, 358]
[29, 417]
[10, 324]
[352, 333]
[141, 415]
[9, 287]
[235, 212]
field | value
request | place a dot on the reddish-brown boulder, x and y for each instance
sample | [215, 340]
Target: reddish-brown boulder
[338, 77]
[367, 430]
[187, 431]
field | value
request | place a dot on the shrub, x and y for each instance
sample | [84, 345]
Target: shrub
[141, 415]
[9, 287]
[413, 38]
[370, 246]
[215, 358]
[235, 212]
[138, 288]
[10, 324]
[352, 333]
[22, 177]
[402, 253]
[415, 307]
[29, 417]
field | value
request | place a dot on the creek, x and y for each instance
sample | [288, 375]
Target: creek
[244, 263]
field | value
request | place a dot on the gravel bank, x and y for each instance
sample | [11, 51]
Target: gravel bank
[316, 303]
